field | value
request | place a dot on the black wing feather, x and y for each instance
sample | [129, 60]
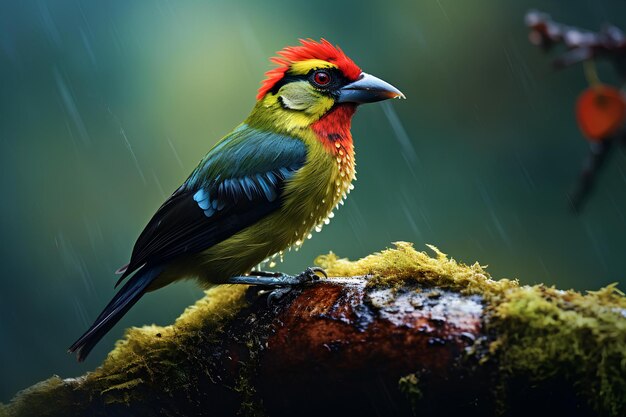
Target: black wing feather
[203, 213]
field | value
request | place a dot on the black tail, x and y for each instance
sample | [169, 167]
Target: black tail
[125, 298]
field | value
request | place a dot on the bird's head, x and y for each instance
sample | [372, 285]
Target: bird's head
[310, 80]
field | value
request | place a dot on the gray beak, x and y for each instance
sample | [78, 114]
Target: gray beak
[368, 89]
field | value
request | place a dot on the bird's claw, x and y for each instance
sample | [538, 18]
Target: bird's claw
[277, 294]
[277, 279]
[276, 283]
[308, 275]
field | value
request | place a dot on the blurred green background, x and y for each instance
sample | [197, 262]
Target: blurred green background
[106, 107]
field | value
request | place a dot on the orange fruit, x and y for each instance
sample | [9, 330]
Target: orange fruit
[600, 111]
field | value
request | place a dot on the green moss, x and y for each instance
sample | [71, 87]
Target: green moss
[409, 386]
[144, 358]
[204, 318]
[539, 332]
[149, 360]
[250, 405]
[544, 332]
[394, 267]
[38, 400]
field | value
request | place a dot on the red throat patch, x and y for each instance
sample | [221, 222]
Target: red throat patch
[333, 130]
[309, 49]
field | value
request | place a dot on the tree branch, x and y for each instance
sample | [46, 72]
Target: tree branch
[582, 45]
[405, 333]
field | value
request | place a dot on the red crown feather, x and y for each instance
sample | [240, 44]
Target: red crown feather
[309, 49]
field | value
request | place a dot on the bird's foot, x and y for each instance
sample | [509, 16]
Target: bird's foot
[278, 279]
[275, 295]
[276, 284]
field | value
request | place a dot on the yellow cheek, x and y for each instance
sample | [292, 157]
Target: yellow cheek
[291, 119]
[321, 106]
[301, 96]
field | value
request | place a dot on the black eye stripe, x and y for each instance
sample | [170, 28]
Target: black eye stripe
[286, 80]
[338, 80]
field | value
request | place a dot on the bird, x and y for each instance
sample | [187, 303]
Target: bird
[261, 189]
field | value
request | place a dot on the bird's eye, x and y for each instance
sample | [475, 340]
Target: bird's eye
[321, 78]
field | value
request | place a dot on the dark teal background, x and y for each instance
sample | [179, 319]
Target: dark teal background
[106, 106]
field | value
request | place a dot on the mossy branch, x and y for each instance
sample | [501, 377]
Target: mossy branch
[406, 333]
